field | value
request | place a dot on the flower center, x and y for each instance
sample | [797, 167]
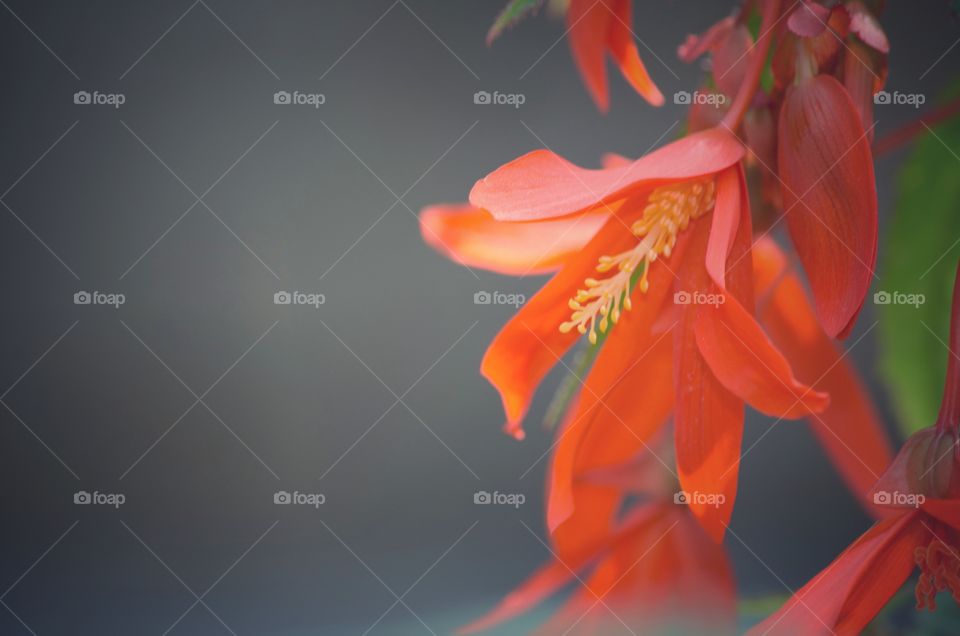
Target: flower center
[939, 565]
[668, 212]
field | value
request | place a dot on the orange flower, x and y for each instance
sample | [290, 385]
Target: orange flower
[651, 571]
[677, 228]
[596, 28]
[922, 489]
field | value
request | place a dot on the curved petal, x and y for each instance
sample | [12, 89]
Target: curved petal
[472, 237]
[830, 197]
[696, 45]
[708, 421]
[542, 185]
[624, 52]
[626, 398]
[850, 429]
[531, 343]
[731, 189]
[748, 364]
[730, 60]
[846, 595]
[588, 25]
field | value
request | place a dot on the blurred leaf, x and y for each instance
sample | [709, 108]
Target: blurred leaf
[511, 14]
[920, 257]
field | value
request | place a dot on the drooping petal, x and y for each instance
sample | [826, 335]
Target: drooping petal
[708, 421]
[739, 353]
[624, 51]
[849, 592]
[809, 19]
[830, 197]
[730, 60]
[866, 26]
[542, 185]
[850, 429]
[626, 398]
[696, 45]
[748, 364]
[726, 219]
[588, 26]
[661, 576]
[472, 237]
[531, 343]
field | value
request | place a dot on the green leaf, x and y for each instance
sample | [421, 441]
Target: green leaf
[511, 14]
[919, 257]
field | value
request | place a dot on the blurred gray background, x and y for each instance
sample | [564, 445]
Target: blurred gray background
[198, 199]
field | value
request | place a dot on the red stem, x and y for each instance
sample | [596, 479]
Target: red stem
[905, 134]
[949, 417]
[758, 59]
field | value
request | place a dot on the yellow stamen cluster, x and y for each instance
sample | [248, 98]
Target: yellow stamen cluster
[668, 212]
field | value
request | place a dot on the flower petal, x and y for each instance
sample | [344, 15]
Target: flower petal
[531, 343]
[731, 188]
[588, 25]
[472, 237]
[542, 185]
[709, 419]
[830, 197]
[850, 430]
[849, 592]
[748, 364]
[624, 52]
[946, 510]
[739, 353]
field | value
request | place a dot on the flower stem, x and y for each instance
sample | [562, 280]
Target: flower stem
[907, 133]
[758, 60]
[949, 418]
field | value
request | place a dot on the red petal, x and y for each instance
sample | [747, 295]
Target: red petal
[850, 429]
[809, 19]
[541, 184]
[730, 60]
[830, 197]
[748, 364]
[588, 26]
[697, 45]
[726, 220]
[531, 343]
[472, 237]
[624, 52]
[709, 419]
[850, 591]
[865, 25]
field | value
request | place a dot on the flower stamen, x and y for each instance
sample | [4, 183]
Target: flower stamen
[668, 212]
[939, 566]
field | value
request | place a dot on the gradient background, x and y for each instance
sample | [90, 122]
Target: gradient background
[374, 398]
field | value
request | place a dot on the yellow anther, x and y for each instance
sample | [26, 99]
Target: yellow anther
[668, 212]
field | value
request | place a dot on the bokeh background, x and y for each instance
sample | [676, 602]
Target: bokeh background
[198, 398]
